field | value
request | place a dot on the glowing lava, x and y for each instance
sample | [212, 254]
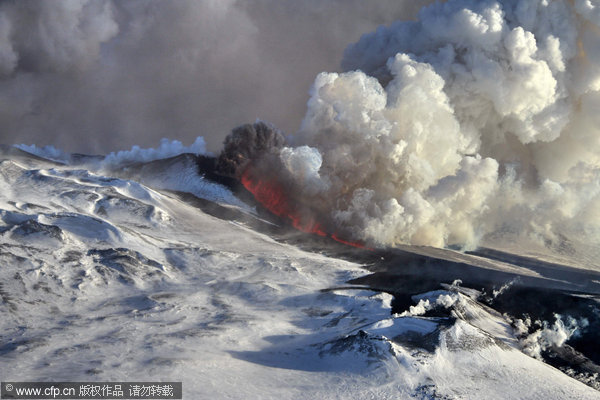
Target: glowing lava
[271, 195]
[335, 237]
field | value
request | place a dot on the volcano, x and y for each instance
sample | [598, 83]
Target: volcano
[427, 227]
[270, 193]
[163, 262]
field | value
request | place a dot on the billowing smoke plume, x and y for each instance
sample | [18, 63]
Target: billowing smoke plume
[255, 155]
[249, 143]
[104, 75]
[479, 118]
[537, 337]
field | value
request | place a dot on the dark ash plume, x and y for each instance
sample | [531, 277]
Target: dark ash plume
[247, 143]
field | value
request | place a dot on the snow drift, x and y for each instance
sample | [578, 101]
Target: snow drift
[106, 277]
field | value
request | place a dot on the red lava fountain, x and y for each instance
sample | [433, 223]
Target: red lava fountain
[270, 193]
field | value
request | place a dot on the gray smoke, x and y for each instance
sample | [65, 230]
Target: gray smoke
[465, 121]
[479, 120]
[249, 143]
[104, 75]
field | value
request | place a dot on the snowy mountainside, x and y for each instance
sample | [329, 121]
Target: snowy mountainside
[110, 275]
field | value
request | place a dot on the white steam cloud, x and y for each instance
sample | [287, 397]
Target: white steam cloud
[477, 118]
[547, 335]
[166, 149]
[480, 117]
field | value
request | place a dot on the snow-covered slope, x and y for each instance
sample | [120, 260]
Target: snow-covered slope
[107, 278]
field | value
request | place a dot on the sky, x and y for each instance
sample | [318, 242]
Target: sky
[101, 76]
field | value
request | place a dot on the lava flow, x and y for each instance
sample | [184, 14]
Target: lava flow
[271, 195]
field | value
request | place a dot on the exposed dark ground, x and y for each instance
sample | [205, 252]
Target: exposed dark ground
[533, 288]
